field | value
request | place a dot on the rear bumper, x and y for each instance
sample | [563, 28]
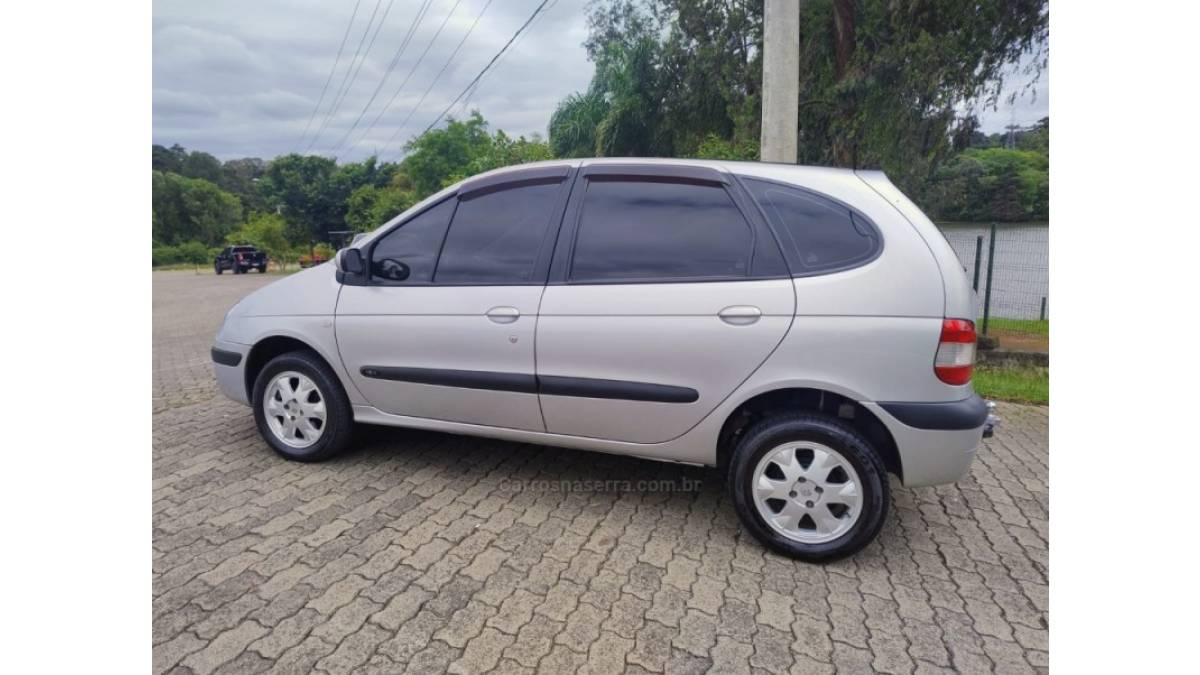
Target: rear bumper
[936, 441]
[229, 367]
[968, 413]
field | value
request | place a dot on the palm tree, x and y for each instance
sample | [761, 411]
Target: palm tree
[573, 124]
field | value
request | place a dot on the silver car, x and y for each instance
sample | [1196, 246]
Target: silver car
[807, 331]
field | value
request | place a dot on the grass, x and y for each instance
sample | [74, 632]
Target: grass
[1020, 384]
[208, 269]
[180, 266]
[1028, 326]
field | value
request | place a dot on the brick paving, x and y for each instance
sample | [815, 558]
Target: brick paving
[412, 553]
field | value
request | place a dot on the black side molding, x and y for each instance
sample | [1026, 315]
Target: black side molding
[226, 358]
[969, 413]
[587, 387]
[583, 387]
[467, 379]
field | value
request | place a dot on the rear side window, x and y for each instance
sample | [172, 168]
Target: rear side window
[415, 244]
[647, 231]
[819, 234]
[496, 237]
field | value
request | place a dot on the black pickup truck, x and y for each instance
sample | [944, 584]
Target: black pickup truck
[240, 259]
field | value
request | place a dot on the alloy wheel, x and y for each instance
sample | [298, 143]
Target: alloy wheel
[807, 491]
[295, 409]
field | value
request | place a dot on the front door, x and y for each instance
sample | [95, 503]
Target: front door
[667, 298]
[444, 326]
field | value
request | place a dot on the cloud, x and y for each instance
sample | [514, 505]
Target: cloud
[238, 78]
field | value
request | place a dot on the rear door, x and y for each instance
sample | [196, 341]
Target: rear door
[444, 326]
[666, 293]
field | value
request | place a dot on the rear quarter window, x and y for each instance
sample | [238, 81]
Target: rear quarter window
[819, 235]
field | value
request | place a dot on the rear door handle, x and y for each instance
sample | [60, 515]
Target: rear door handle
[503, 314]
[740, 315]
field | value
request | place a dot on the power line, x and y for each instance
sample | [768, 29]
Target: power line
[329, 79]
[354, 78]
[474, 89]
[408, 36]
[439, 74]
[485, 68]
[342, 86]
[412, 70]
[516, 44]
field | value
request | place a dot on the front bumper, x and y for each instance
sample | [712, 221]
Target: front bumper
[936, 441]
[229, 367]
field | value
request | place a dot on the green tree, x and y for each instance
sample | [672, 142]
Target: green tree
[437, 156]
[982, 184]
[882, 83]
[267, 232]
[190, 209]
[573, 124]
[312, 192]
[201, 165]
[461, 149]
[370, 206]
[168, 159]
[240, 177]
[299, 188]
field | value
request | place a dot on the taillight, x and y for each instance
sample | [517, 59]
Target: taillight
[956, 351]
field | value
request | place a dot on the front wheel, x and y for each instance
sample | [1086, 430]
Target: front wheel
[809, 486]
[301, 409]
[217, 267]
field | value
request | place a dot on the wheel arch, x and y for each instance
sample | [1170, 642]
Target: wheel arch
[268, 348]
[812, 399]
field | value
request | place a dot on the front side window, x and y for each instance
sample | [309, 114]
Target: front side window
[409, 253]
[648, 231]
[496, 236]
[822, 235]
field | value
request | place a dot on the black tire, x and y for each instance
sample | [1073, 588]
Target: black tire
[262, 269]
[769, 433]
[218, 268]
[339, 420]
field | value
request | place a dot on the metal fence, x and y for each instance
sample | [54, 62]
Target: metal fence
[1009, 267]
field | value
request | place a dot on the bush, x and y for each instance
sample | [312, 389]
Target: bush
[164, 255]
[193, 252]
[187, 253]
[714, 147]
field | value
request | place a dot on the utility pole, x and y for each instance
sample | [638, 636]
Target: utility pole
[781, 80]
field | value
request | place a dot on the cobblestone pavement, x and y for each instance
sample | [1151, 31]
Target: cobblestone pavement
[409, 553]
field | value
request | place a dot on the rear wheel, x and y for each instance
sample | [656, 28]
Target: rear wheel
[301, 409]
[809, 486]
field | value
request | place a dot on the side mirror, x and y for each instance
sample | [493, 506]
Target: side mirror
[350, 261]
[391, 269]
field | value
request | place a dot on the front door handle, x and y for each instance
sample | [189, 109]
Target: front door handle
[740, 315]
[503, 314]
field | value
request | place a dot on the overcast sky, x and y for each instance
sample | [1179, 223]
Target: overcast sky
[240, 78]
